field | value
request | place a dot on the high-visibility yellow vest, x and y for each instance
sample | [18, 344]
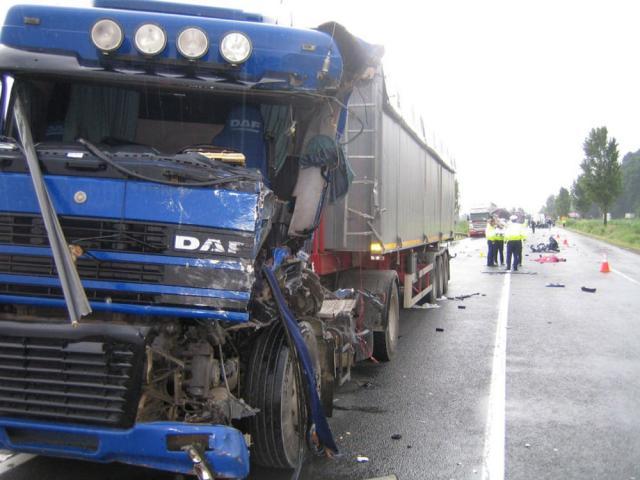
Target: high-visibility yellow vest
[490, 232]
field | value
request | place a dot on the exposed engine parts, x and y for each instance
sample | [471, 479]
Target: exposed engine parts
[189, 377]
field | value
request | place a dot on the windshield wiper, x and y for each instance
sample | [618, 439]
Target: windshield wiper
[106, 158]
[74, 295]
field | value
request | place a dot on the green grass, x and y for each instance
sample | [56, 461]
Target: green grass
[461, 228]
[625, 233]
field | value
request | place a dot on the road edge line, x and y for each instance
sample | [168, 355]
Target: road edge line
[15, 461]
[494, 438]
[632, 280]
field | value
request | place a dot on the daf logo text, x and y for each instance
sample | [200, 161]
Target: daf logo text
[210, 245]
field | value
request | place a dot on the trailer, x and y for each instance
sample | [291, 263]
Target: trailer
[389, 233]
[203, 226]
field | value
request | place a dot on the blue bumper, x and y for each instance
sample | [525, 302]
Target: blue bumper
[146, 444]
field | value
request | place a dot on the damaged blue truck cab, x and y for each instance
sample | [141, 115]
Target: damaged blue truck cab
[163, 168]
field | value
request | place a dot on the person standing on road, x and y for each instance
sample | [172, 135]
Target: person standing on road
[490, 233]
[514, 235]
[498, 244]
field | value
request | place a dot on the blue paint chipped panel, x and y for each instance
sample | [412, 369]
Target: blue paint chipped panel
[134, 200]
[146, 444]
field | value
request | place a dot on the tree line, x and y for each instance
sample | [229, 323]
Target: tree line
[604, 186]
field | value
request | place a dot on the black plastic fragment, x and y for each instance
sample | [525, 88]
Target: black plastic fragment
[588, 289]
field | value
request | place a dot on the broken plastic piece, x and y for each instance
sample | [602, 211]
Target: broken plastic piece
[588, 289]
[396, 436]
[362, 459]
[461, 307]
[556, 285]
[439, 329]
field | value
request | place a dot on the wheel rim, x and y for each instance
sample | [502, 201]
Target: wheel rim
[292, 421]
[290, 415]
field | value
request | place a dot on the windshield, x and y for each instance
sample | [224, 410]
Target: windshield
[478, 216]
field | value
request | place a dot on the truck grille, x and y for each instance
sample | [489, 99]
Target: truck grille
[88, 269]
[90, 233]
[81, 380]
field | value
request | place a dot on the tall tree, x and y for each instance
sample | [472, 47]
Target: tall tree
[601, 170]
[629, 200]
[563, 203]
[579, 199]
[549, 208]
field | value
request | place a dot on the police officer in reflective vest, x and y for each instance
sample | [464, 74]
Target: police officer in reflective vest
[498, 243]
[514, 235]
[490, 234]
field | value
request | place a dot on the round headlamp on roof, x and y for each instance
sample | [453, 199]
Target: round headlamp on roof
[150, 39]
[192, 43]
[107, 35]
[235, 47]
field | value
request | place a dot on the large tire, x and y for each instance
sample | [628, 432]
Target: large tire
[386, 342]
[272, 386]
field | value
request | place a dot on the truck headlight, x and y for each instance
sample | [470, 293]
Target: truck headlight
[235, 47]
[107, 35]
[150, 39]
[192, 43]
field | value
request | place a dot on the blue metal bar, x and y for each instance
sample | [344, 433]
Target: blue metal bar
[130, 257]
[155, 310]
[145, 444]
[128, 287]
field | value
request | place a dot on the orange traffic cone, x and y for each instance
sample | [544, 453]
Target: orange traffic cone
[604, 266]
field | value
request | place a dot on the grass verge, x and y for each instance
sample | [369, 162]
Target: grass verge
[624, 233]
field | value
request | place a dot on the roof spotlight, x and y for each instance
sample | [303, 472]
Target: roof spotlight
[192, 43]
[107, 35]
[150, 39]
[235, 47]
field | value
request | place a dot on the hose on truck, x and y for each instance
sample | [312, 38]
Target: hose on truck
[318, 417]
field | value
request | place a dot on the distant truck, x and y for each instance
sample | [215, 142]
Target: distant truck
[188, 266]
[478, 217]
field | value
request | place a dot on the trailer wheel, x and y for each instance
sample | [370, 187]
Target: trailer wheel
[385, 342]
[278, 430]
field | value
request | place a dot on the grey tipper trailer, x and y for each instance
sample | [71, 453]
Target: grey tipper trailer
[391, 231]
[402, 193]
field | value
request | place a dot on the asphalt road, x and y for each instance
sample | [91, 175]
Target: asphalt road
[558, 397]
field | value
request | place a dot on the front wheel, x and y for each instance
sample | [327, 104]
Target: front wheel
[278, 430]
[385, 342]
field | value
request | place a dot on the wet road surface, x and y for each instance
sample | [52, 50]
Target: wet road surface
[562, 393]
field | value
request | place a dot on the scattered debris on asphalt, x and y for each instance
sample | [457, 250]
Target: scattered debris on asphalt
[426, 305]
[464, 297]
[409, 446]
[556, 285]
[527, 445]
[461, 307]
[367, 385]
[362, 459]
[588, 289]
[504, 272]
[355, 408]
[549, 259]
[439, 329]
[396, 436]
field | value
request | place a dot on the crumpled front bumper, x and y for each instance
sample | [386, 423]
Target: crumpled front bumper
[146, 444]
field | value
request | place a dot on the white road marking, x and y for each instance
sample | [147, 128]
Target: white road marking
[632, 280]
[494, 435]
[14, 461]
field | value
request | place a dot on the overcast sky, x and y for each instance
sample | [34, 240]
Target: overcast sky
[511, 88]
